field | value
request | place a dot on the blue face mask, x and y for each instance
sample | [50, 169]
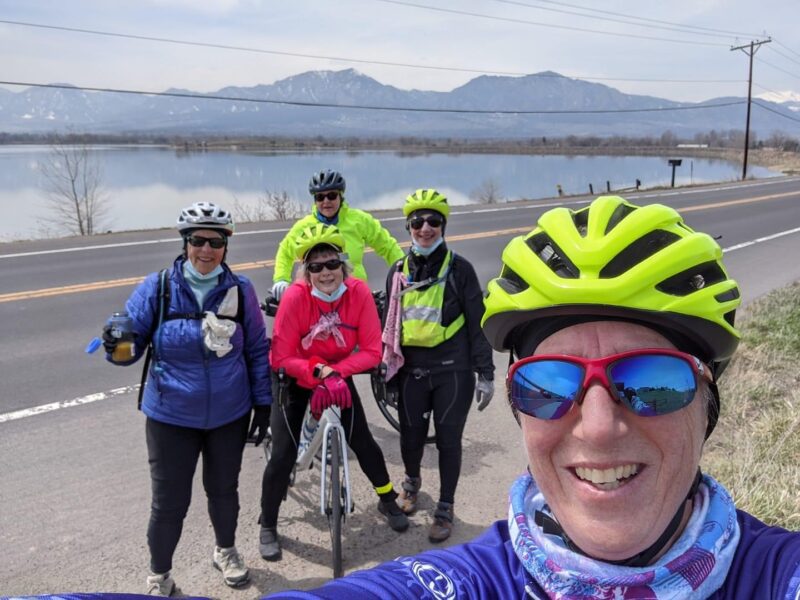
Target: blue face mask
[197, 276]
[417, 249]
[329, 297]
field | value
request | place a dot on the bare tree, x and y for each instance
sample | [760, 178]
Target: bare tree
[73, 177]
[487, 193]
[273, 206]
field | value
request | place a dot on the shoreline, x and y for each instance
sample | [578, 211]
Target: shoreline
[780, 162]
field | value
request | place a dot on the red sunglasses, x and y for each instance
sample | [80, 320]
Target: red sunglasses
[649, 381]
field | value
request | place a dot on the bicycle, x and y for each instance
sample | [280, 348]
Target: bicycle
[329, 447]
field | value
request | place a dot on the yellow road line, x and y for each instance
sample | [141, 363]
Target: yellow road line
[262, 264]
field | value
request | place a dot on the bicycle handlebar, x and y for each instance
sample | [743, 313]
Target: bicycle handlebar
[270, 304]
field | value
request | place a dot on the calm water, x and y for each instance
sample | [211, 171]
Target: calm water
[146, 186]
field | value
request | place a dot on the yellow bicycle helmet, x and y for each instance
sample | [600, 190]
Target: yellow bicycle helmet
[618, 261]
[430, 199]
[316, 235]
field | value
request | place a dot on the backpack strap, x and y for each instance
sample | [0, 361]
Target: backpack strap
[164, 293]
[163, 304]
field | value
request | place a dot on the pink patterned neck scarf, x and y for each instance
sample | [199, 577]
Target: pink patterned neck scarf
[328, 325]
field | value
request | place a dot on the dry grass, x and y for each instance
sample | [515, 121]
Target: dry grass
[755, 450]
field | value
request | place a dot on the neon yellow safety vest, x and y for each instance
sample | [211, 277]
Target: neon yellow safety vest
[422, 311]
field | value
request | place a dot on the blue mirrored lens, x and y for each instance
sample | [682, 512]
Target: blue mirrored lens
[545, 389]
[653, 385]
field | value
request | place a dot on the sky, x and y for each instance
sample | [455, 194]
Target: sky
[618, 43]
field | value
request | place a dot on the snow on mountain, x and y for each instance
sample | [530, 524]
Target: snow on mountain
[312, 103]
[788, 98]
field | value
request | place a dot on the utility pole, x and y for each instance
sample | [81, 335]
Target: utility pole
[749, 49]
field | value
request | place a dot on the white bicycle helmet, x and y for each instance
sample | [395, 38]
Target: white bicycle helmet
[205, 215]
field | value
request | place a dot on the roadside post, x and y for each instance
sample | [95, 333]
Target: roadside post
[674, 162]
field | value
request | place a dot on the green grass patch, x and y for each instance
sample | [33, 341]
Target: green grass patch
[755, 449]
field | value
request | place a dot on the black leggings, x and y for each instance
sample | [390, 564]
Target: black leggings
[286, 422]
[173, 452]
[448, 395]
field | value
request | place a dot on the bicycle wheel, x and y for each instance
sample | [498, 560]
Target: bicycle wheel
[335, 507]
[389, 408]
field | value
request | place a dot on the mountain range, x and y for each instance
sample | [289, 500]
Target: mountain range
[41, 110]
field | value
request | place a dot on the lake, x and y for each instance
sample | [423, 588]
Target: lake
[146, 186]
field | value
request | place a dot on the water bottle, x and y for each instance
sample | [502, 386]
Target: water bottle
[122, 329]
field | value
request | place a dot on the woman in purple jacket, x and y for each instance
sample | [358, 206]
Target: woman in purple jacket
[619, 320]
[209, 372]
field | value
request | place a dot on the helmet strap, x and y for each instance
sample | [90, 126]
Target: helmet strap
[551, 526]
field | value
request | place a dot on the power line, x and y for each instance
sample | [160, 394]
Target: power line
[550, 25]
[609, 12]
[785, 47]
[180, 42]
[769, 64]
[772, 110]
[786, 56]
[766, 89]
[366, 106]
[626, 21]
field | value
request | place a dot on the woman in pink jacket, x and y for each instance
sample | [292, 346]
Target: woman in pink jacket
[323, 317]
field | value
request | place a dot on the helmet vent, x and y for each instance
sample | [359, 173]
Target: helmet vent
[511, 282]
[622, 211]
[552, 256]
[638, 252]
[693, 279]
[727, 296]
[581, 219]
[730, 316]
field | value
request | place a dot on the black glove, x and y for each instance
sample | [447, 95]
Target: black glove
[109, 341]
[260, 423]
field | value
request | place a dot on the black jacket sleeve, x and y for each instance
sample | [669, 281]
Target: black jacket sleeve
[470, 297]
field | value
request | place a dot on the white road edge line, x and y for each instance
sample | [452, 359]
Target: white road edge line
[44, 408]
[761, 239]
[37, 410]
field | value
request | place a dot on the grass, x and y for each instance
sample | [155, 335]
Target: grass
[755, 449]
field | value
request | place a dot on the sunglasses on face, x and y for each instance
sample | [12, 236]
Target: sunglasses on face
[331, 265]
[326, 196]
[649, 382]
[432, 220]
[198, 242]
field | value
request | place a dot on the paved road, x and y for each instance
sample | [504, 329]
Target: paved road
[74, 486]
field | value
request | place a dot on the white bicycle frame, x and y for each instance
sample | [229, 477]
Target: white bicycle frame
[330, 424]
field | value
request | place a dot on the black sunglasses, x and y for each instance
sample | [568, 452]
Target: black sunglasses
[198, 242]
[331, 265]
[324, 195]
[432, 220]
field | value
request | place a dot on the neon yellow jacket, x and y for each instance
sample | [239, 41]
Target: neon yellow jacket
[359, 229]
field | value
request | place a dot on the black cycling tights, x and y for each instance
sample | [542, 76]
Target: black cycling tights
[286, 423]
[173, 452]
[448, 395]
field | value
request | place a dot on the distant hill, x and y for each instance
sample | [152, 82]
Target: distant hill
[39, 110]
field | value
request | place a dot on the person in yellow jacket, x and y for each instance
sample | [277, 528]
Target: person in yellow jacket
[358, 227]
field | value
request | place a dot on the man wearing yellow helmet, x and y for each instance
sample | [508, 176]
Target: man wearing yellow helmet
[619, 320]
[435, 298]
[359, 229]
